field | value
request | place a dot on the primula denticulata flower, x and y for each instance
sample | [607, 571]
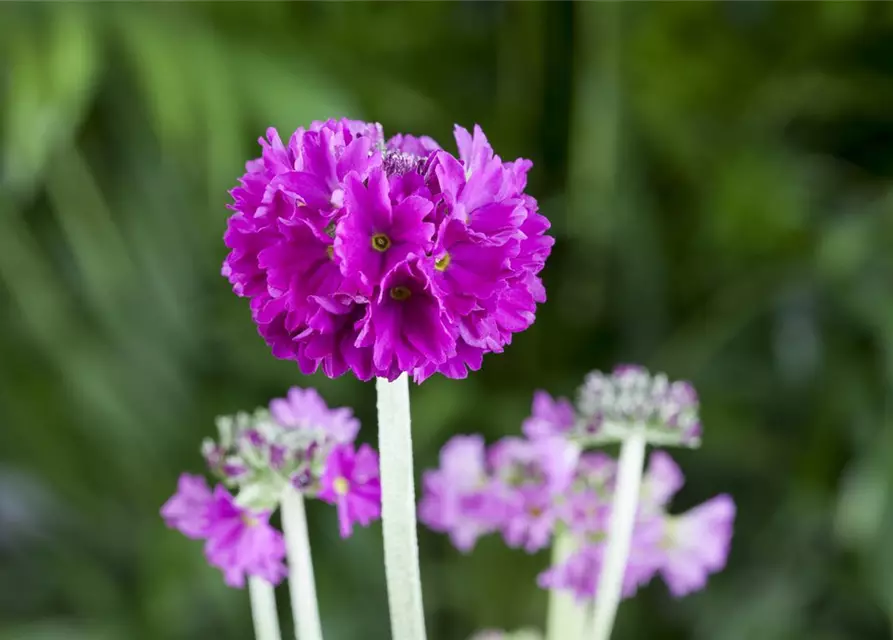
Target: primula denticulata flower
[297, 441]
[529, 489]
[351, 483]
[383, 257]
[238, 540]
[631, 397]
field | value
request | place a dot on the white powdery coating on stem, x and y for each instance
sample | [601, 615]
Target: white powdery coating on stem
[620, 533]
[565, 618]
[263, 609]
[401, 546]
[301, 584]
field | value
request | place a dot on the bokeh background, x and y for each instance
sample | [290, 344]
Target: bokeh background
[718, 176]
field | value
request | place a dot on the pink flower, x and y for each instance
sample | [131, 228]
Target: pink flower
[241, 541]
[549, 417]
[305, 409]
[351, 482]
[456, 498]
[238, 541]
[376, 237]
[187, 509]
[330, 231]
[697, 544]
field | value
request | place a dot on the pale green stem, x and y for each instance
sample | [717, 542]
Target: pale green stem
[620, 533]
[401, 547]
[301, 584]
[566, 618]
[263, 609]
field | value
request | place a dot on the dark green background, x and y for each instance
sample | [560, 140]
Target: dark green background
[718, 176]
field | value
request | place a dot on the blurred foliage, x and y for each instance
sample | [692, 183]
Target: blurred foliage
[719, 179]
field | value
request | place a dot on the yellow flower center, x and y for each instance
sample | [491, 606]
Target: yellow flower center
[380, 242]
[248, 520]
[400, 293]
[442, 262]
[330, 251]
[341, 486]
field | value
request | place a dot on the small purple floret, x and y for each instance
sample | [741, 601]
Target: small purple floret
[351, 482]
[238, 541]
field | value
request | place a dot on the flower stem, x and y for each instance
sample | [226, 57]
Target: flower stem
[565, 617]
[401, 547]
[620, 533]
[263, 609]
[301, 585]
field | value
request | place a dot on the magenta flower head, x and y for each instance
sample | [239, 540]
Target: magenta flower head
[298, 443]
[288, 443]
[383, 257]
[552, 482]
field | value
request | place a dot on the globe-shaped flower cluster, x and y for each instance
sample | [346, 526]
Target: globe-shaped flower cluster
[297, 441]
[382, 257]
[551, 482]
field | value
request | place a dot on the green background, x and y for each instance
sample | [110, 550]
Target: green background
[718, 176]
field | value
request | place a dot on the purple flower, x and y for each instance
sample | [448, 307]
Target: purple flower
[531, 475]
[549, 463]
[526, 487]
[531, 519]
[331, 335]
[187, 509]
[456, 498]
[580, 572]
[684, 549]
[697, 544]
[421, 146]
[351, 482]
[305, 409]
[468, 267]
[406, 325]
[548, 417]
[240, 542]
[332, 229]
[662, 480]
[585, 512]
[376, 236]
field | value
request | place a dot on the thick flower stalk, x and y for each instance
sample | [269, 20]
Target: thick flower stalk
[387, 258]
[297, 448]
[566, 616]
[548, 488]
